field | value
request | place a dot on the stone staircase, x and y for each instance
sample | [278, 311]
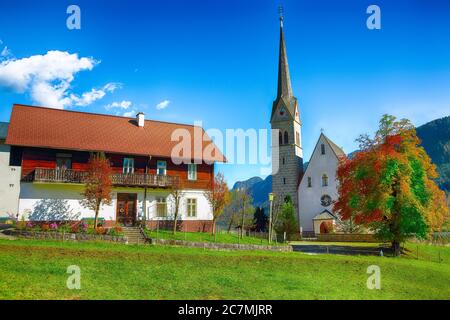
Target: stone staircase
[134, 235]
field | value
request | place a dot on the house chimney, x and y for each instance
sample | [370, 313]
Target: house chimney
[140, 119]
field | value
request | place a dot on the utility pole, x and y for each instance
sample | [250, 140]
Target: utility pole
[270, 216]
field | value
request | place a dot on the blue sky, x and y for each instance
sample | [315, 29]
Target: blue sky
[216, 61]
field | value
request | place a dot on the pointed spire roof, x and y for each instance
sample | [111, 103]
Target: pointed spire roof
[285, 96]
[284, 79]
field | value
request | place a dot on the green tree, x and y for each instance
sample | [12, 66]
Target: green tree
[260, 220]
[98, 186]
[388, 186]
[287, 220]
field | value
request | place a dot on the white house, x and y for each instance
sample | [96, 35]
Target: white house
[318, 188]
[9, 178]
[52, 148]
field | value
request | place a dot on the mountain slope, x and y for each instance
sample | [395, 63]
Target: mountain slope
[435, 136]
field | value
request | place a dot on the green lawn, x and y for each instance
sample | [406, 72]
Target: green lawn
[37, 270]
[221, 237]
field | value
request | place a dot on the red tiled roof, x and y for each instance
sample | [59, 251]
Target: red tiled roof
[71, 130]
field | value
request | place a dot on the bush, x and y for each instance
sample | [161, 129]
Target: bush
[100, 230]
[115, 231]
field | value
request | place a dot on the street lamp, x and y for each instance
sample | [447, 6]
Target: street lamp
[270, 216]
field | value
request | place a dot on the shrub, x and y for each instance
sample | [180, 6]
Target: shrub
[115, 231]
[64, 228]
[45, 227]
[74, 228]
[83, 227]
[53, 226]
[21, 225]
[100, 230]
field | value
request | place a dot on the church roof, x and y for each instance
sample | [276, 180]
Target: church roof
[336, 149]
[284, 79]
[285, 94]
[325, 215]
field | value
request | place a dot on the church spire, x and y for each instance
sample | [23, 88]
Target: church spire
[284, 79]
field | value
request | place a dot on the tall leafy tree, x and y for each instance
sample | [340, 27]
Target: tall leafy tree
[245, 210]
[388, 185]
[238, 210]
[218, 197]
[98, 187]
[287, 220]
[260, 220]
[176, 194]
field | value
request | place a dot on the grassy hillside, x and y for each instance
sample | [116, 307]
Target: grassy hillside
[37, 270]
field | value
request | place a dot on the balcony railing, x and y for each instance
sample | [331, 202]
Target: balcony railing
[59, 175]
[44, 175]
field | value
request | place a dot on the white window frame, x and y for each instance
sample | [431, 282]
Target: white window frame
[191, 206]
[161, 201]
[63, 161]
[128, 165]
[192, 171]
[325, 180]
[161, 164]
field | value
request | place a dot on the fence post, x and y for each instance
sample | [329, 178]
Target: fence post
[417, 252]
[157, 231]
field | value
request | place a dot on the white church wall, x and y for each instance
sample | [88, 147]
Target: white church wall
[310, 197]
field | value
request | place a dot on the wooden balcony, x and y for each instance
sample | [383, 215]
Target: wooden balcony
[43, 175]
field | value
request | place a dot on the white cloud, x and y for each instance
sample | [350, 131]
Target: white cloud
[123, 105]
[5, 52]
[48, 78]
[130, 114]
[162, 105]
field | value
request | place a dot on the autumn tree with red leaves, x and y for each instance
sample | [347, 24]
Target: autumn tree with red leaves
[218, 197]
[388, 185]
[98, 186]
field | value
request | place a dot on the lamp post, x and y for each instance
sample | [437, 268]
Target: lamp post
[270, 216]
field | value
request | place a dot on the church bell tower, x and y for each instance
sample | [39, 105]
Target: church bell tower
[287, 154]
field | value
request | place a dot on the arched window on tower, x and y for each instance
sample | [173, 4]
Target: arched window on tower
[297, 138]
[280, 138]
[324, 180]
[286, 138]
[322, 148]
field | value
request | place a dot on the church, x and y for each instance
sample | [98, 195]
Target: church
[313, 189]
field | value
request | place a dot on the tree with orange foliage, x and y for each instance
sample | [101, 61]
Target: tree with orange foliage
[98, 186]
[388, 185]
[218, 197]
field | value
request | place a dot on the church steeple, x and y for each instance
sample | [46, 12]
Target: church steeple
[284, 79]
[285, 97]
[287, 153]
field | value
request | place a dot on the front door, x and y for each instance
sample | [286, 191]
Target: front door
[126, 208]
